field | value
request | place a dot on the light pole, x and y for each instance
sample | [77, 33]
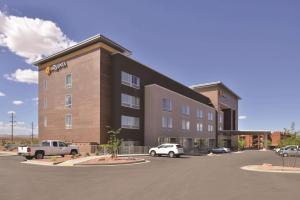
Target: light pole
[32, 132]
[12, 125]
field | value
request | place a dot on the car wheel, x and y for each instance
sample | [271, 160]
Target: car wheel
[39, 155]
[171, 154]
[152, 153]
[74, 152]
[28, 157]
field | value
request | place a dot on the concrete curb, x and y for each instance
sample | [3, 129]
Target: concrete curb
[73, 162]
[35, 162]
[7, 153]
[272, 169]
[112, 164]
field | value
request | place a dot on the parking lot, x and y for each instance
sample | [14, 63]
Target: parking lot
[192, 177]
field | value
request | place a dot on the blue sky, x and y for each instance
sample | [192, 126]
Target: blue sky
[251, 46]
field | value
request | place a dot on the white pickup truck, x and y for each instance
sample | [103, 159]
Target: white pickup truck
[47, 148]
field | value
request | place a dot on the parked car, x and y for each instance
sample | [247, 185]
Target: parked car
[286, 148]
[220, 150]
[47, 148]
[172, 150]
[277, 149]
[290, 151]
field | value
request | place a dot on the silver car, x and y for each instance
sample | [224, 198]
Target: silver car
[291, 151]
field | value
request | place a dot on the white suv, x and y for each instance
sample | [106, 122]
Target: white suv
[172, 150]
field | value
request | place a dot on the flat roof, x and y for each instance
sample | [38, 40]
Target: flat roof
[211, 84]
[82, 44]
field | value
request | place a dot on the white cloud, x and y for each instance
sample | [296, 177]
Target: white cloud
[20, 128]
[36, 99]
[31, 38]
[10, 112]
[24, 76]
[242, 117]
[2, 94]
[17, 102]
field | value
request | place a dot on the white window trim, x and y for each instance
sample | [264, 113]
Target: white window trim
[130, 126]
[130, 83]
[45, 103]
[168, 122]
[185, 125]
[169, 105]
[131, 103]
[199, 113]
[69, 106]
[185, 110]
[68, 126]
[68, 86]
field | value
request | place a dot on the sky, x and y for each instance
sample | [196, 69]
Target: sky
[251, 46]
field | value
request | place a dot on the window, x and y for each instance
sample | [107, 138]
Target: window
[185, 124]
[45, 121]
[68, 101]
[130, 122]
[130, 80]
[199, 127]
[185, 110]
[167, 105]
[210, 116]
[68, 81]
[210, 128]
[130, 101]
[54, 144]
[68, 121]
[45, 84]
[62, 144]
[199, 113]
[46, 144]
[220, 119]
[167, 122]
[220, 128]
[45, 102]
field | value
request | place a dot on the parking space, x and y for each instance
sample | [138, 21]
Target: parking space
[193, 177]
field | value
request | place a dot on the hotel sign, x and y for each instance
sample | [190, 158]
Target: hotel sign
[55, 68]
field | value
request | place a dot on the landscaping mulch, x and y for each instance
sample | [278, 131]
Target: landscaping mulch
[112, 161]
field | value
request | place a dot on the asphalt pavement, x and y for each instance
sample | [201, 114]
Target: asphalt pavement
[190, 177]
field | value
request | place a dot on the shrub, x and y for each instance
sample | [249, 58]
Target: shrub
[113, 142]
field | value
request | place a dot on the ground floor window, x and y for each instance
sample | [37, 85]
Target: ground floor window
[68, 121]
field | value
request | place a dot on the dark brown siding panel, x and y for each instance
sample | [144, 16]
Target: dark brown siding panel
[147, 76]
[105, 94]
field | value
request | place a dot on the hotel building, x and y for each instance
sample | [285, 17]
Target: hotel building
[95, 84]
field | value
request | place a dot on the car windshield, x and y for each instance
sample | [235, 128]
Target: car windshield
[178, 146]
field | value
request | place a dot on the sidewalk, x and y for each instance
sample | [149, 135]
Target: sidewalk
[73, 162]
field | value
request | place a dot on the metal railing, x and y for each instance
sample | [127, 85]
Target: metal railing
[121, 150]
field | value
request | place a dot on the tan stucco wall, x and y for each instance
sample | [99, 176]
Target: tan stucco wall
[153, 116]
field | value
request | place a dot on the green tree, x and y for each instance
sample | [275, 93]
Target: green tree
[113, 142]
[292, 138]
[241, 144]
